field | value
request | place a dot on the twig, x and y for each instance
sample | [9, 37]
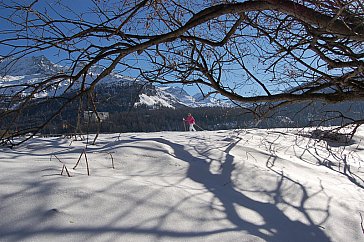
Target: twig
[78, 161]
[64, 167]
[361, 223]
[88, 170]
[112, 160]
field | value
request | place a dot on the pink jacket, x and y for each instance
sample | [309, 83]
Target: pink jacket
[190, 120]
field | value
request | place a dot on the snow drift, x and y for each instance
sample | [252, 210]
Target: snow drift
[243, 185]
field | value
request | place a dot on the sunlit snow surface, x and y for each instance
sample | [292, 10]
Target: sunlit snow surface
[239, 185]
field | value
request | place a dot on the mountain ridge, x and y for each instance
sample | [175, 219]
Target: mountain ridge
[30, 71]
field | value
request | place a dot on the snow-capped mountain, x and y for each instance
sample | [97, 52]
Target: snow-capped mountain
[177, 95]
[28, 66]
[210, 101]
[23, 76]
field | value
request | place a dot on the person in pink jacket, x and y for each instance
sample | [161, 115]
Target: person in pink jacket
[191, 121]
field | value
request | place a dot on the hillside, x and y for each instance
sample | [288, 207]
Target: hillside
[24, 74]
[131, 105]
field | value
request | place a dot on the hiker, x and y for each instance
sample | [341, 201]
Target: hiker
[191, 121]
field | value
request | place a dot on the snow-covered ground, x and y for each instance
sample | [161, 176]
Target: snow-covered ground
[242, 185]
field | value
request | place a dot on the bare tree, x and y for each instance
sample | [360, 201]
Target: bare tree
[275, 51]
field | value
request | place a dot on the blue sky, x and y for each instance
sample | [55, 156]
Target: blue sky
[82, 6]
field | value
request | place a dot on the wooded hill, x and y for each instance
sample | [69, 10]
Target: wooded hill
[121, 115]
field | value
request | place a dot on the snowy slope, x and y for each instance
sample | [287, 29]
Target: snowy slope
[23, 75]
[182, 97]
[210, 101]
[28, 66]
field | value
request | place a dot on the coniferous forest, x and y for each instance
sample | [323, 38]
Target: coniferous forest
[117, 112]
[146, 119]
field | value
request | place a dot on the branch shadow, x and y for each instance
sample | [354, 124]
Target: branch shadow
[277, 226]
[274, 224]
[331, 150]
